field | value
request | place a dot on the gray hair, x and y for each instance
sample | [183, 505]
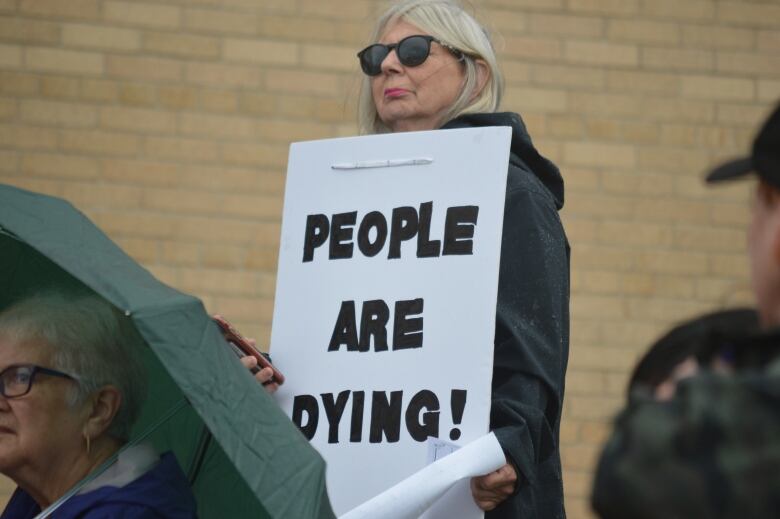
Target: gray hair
[90, 340]
[445, 20]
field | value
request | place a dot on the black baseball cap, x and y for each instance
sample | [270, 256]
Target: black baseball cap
[764, 161]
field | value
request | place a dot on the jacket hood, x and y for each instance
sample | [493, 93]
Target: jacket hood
[523, 153]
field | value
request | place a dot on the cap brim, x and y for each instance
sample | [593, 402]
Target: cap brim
[731, 170]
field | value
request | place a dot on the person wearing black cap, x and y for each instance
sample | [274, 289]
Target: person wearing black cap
[764, 231]
[713, 448]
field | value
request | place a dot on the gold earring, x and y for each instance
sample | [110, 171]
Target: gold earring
[87, 437]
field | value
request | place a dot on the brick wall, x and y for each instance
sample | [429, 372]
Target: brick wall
[168, 122]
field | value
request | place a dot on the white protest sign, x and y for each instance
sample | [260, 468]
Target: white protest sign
[385, 305]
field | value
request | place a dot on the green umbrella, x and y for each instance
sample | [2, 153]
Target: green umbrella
[243, 456]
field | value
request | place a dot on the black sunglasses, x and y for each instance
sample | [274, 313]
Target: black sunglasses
[411, 51]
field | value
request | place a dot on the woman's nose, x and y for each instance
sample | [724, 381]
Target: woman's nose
[391, 64]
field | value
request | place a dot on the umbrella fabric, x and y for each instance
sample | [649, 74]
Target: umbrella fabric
[243, 455]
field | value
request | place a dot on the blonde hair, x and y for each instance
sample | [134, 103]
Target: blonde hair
[445, 20]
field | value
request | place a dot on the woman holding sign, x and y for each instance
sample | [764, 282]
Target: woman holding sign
[431, 65]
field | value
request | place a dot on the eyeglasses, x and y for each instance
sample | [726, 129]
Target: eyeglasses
[17, 380]
[411, 51]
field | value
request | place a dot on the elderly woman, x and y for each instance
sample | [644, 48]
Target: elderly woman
[71, 388]
[430, 65]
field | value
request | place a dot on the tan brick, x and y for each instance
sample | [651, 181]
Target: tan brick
[16, 136]
[582, 179]
[750, 14]
[598, 282]
[584, 382]
[216, 125]
[678, 59]
[142, 13]
[185, 45]
[298, 28]
[17, 82]
[58, 114]
[45, 187]
[687, 110]
[643, 31]
[97, 37]
[137, 94]
[600, 53]
[604, 105]
[245, 308]
[577, 483]
[286, 131]
[131, 223]
[330, 57]
[261, 51]
[694, 10]
[717, 37]
[223, 256]
[142, 250]
[768, 41]
[566, 25]
[533, 47]
[108, 196]
[748, 115]
[649, 82]
[99, 142]
[220, 22]
[515, 72]
[7, 5]
[7, 109]
[507, 21]
[338, 9]
[236, 180]
[9, 161]
[228, 230]
[137, 119]
[604, 358]
[598, 432]
[189, 150]
[696, 135]
[29, 31]
[644, 184]
[546, 100]
[565, 126]
[61, 87]
[144, 68]
[748, 63]
[223, 101]
[672, 262]
[10, 56]
[84, 9]
[732, 265]
[635, 233]
[57, 60]
[302, 82]
[254, 154]
[535, 4]
[768, 90]
[53, 165]
[568, 76]
[224, 282]
[217, 74]
[665, 310]
[597, 205]
[609, 7]
[731, 214]
[591, 407]
[673, 160]
[99, 90]
[142, 172]
[715, 240]
[178, 97]
[720, 88]
[335, 110]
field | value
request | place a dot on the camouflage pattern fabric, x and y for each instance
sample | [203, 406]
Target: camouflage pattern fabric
[713, 451]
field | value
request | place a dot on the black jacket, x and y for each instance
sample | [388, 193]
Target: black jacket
[532, 325]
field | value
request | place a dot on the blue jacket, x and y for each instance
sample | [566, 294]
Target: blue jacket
[161, 493]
